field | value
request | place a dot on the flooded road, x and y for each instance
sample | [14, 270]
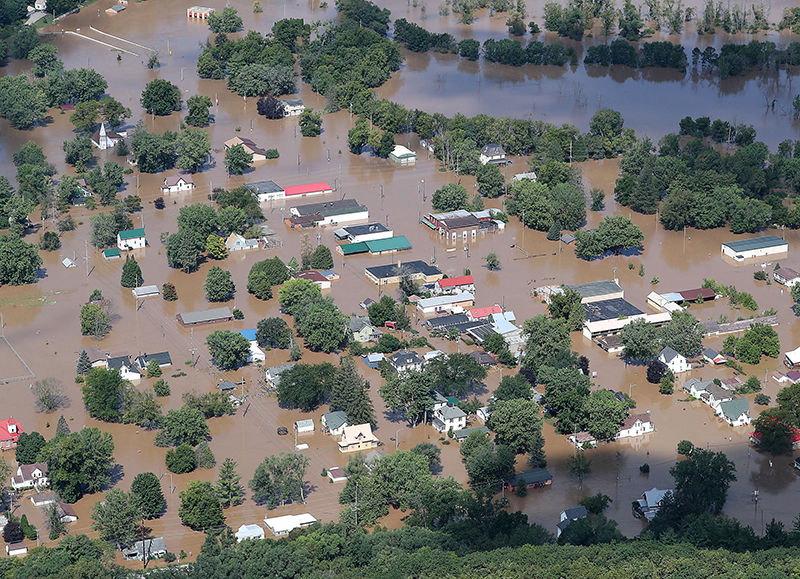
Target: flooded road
[41, 321]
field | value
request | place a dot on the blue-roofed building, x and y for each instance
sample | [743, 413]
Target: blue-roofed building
[249, 334]
[742, 249]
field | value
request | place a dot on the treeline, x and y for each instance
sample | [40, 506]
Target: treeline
[736, 59]
[661, 54]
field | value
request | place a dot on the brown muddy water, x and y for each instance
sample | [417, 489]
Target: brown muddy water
[41, 321]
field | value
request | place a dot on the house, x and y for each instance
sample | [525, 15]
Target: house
[249, 532]
[249, 146]
[40, 5]
[713, 328]
[327, 213]
[163, 359]
[10, 430]
[115, 9]
[733, 383]
[449, 418]
[307, 190]
[357, 437]
[494, 154]
[83, 193]
[131, 239]
[367, 232]
[713, 357]
[708, 392]
[177, 183]
[284, 525]
[336, 474]
[405, 360]
[273, 375]
[303, 426]
[483, 359]
[427, 144]
[145, 291]
[373, 456]
[755, 247]
[611, 344]
[650, 502]
[569, 515]
[636, 425]
[567, 238]
[199, 12]
[373, 360]
[417, 270]
[582, 440]
[786, 276]
[476, 314]
[226, 386]
[534, 478]
[97, 356]
[314, 277]
[202, 317]
[531, 176]
[451, 285]
[43, 499]
[112, 253]
[446, 303]
[461, 224]
[483, 413]
[674, 361]
[597, 291]
[16, 549]
[127, 371]
[146, 550]
[428, 356]
[293, 107]
[236, 242]
[735, 412]
[256, 353]
[403, 155]
[461, 435]
[334, 422]
[362, 331]
[66, 513]
[367, 303]
[267, 190]
[792, 359]
[104, 138]
[30, 476]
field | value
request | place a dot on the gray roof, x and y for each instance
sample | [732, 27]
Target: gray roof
[226, 386]
[376, 227]
[148, 546]
[576, 512]
[412, 267]
[205, 315]
[710, 353]
[117, 362]
[539, 475]
[786, 273]
[447, 321]
[451, 412]
[610, 310]
[405, 358]
[755, 243]
[335, 420]
[276, 371]
[668, 353]
[265, 187]
[327, 206]
[373, 456]
[568, 238]
[359, 323]
[492, 149]
[596, 288]
[163, 359]
[294, 102]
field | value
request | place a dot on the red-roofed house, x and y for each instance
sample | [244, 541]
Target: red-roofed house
[306, 190]
[692, 295]
[177, 183]
[454, 285]
[10, 430]
[794, 436]
[483, 313]
[314, 277]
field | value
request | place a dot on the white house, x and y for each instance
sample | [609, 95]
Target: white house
[127, 371]
[405, 360]
[448, 418]
[30, 476]
[287, 523]
[236, 242]
[273, 375]
[636, 425]
[293, 107]
[131, 239]
[106, 138]
[735, 412]
[249, 532]
[786, 276]
[674, 361]
[306, 425]
[483, 413]
[66, 513]
[494, 154]
[314, 277]
[569, 515]
[452, 285]
[334, 422]
[40, 5]
[650, 502]
[177, 183]
[708, 392]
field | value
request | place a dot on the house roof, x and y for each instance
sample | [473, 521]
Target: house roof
[400, 151]
[358, 432]
[26, 470]
[693, 294]
[709, 353]
[43, 498]
[575, 513]
[355, 230]
[397, 243]
[305, 423]
[445, 300]
[793, 356]
[373, 456]
[249, 334]
[451, 412]
[568, 238]
[246, 143]
[755, 243]
[313, 276]
[411, 267]
[596, 288]
[786, 273]
[314, 208]
[335, 420]
[457, 222]
[405, 358]
[358, 323]
[447, 321]
[294, 102]
[610, 310]
[631, 420]
[306, 189]
[163, 359]
[492, 150]
[654, 496]
[483, 358]
[263, 187]
[668, 354]
[95, 354]
[117, 362]
[226, 386]
[284, 524]
[531, 475]
[249, 532]
[146, 547]
[175, 179]
[67, 510]
[477, 313]
[718, 392]
[465, 432]
[131, 233]
[456, 281]
[205, 315]
[113, 252]
[733, 409]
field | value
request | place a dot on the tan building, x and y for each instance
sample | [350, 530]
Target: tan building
[358, 437]
[258, 153]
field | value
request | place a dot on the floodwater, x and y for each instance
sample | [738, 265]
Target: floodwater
[41, 321]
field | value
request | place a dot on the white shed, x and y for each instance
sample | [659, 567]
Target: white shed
[283, 525]
[145, 291]
[306, 425]
[249, 532]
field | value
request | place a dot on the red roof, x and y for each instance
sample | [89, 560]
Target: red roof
[794, 435]
[691, 295]
[311, 276]
[5, 426]
[306, 189]
[455, 281]
[478, 313]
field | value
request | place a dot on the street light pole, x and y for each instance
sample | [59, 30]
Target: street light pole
[397, 438]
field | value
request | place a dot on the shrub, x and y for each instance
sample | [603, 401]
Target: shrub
[761, 399]
[161, 388]
[272, 154]
[644, 469]
[168, 292]
[685, 447]
[760, 275]
[181, 460]
[238, 314]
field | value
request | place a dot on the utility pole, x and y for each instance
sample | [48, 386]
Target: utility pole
[86, 256]
[144, 549]
[192, 349]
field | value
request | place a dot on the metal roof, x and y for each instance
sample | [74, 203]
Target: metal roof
[755, 243]
[390, 244]
[205, 315]
[131, 233]
[411, 267]
[375, 227]
[264, 187]
[610, 310]
[313, 208]
[596, 288]
[531, 475]
[353, 248]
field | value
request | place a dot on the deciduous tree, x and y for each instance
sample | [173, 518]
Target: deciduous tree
[102, 394]
[279, 479]
[115, 518]
[517, 425]
[183, 250]
[451, 197]
[218, 285]
[305, 386]
[604, 414]
[237, 160]
[49, 394]
[193, 148]
[161, 97]
[229, 350]
[147, 496]
[28, 447]
[18, 260]
[200, 508]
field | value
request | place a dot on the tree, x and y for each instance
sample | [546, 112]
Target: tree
[565, 305]
[199, 218]
[568, 205]
[237, 160]
[489, 467]
[228, 490]
[775, 429]
[18, 260]
[349, 393]
[492, 261]
[24, 41]
[199, 507]
[62, 428]
[131, 273]
[270, 107]
[683, 333]
[185, 426]
[310, 123]
[153, 369]
[227, 21]
[215, 247]
[102, 394]
[198, 106]
[181, 460]
[321, 323]
[615, 233]
[490, 180]
[115, 518]
[702, 481]
[591, 530]
[758, 340]
[161, 97]
[231, 219]
[147, 496]
[639, 340]
[451, 197]
[265, 274]
[218, 285]
[204, 456]
[153, 153]
[305, 386]
[685, 447]
[596, 504]
[49, 394]
[228, 349]
[79, 463]
[513, 388]
[476, 442]
[656, 370]
[409, 392]
[273, 333]
[279, 479]
[517, 425]
[28, 447]
[579, 466]
[258, 79]
[604, 414]
[183, 250]
[78, 151]
[50, 241]
[321, 258]
[12, 533]
[431, 453]
[192, 146]
[168, 292]
[598, 199]
[21, 102]
[52, 520]
[455, 373]
[544, 338]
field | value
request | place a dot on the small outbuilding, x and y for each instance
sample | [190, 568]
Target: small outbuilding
[201, 317]
[533, 478]
[146, 550]
[336, 474]
[17, 549]
[112, 253]
[284, 525]
[306, 425]
[786, 276]
[249, 532]
[146, 291]
[403, 156]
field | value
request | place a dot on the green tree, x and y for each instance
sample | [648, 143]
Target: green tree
[153, 369]
[598, 199]
[185, 425]
[95, 321]
[274, 333]
[78, 151]
[181, 460]
[451, 197]
[50, 241]
[490, 180]
[685, 447]
[544, 338]
[757, 341]
[265, 274]
[218, 285]
[579, 466]
[310, 123]
[115, 518]
[147, 496]
[476, 441]
[102, 394]
[198, 106]
[199, 218]
[305, 386]
[227, 488]
[513, 388]
[591, 530]
[322, 324]
[517, 425]
[565, 305]
[28, 447]
[278, 479]
[24, 41]
[569, 206]
[183, 250]
[231, 219]
[596, 504]
[204, 456]
[349, 393]
[78, 462]
[153, 153]
[52, 520]
[410, 393]
[193, 148]
[489, 467]
[21, 103]
[702, 481]
[321, 258]
[640, 341]
[62, 428]
[200, 509]
[296, 291]
[228, 349]
[604, 414]
[237, 160]
[215, 247]
[18, 260]
[455, 373]
[683, 333]
[131, 273]
[227, 21]
[431, 453]
[492, 261]
[161, 97]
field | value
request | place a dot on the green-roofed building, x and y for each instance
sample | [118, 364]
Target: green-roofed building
[131, 239]
[112, 253]
[376, 246]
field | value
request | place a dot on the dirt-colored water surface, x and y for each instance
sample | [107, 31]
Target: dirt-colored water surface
[41, 320]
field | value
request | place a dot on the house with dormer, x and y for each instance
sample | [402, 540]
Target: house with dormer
[674, 361]
[405, 360]
[10, 430]
[127, 371]
[636, 425]
[30, 476]
[356, 438]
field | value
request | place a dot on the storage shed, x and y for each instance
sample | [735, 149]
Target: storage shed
[743, 249]
[306, 425]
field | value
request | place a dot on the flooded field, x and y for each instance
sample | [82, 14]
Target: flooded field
[41, 321]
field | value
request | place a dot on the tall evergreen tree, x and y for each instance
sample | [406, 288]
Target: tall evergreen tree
[62, 428]
[131, 273]
[229, 492]
[147, 496]
[349, 393]
[84, 364]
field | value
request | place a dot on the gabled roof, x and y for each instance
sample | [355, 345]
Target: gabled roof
[249, 334]
[175, 179]
[654, 496]
[631, 420]
[313, 276]
[575, 513]
[477, 313]
[668, 354]
[359, 323]
[733, 409]
[535, 475]
[162, 358]
[335, 420]
[709, 353]
[117, 362]
[26, 470]
[264, 187]
[405, 358]
[492, 150]
[456, 281]
[451, 412]
[356, 433]
[132, 233]
[786, 273]
[95, 354]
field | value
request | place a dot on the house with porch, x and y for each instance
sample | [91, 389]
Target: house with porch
[494, 154]
[334, 422]
[449, 417]
[236, 242]
[30, 476]
[569, 515]
[405, 360]
[362, 330]
[636, 425]
[357, 437]
[735, 412]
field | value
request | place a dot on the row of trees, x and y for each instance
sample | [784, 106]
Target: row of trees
[642, 341]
